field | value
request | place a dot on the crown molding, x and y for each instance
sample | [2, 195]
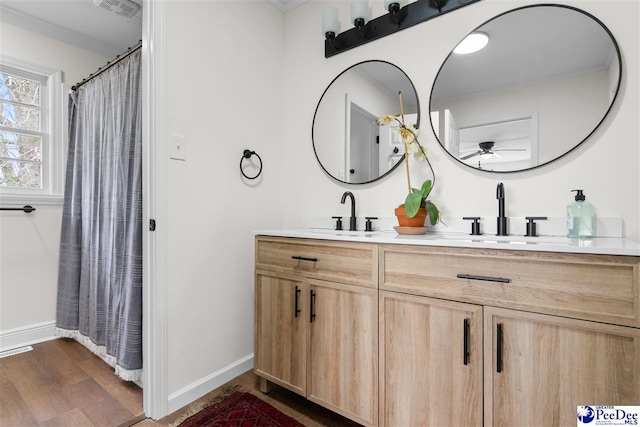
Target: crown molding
[286, 5]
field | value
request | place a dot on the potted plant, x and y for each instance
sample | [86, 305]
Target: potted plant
[416, 206]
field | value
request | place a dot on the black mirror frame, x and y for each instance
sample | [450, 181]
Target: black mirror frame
[316, 112]
[619, 56]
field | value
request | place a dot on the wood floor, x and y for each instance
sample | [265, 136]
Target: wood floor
[289, 403]
[61, 383]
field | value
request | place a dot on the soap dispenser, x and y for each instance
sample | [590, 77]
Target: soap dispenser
[580, 218]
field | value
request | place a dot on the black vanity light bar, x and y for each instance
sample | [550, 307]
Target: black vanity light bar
[389, 23]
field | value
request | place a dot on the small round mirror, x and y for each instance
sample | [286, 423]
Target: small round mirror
[348, 144]
[543, 83]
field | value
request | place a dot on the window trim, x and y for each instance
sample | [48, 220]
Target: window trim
[53, 164]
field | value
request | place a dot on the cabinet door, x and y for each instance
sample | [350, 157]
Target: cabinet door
[547, 366]
[430, 362]
[343, 350]
[280, 330]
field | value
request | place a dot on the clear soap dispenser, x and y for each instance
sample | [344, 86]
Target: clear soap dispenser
[580, 218]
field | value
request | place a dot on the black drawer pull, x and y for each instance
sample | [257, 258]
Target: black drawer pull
[312, 300]
[483, 278]
[465, 357]
[303, 258]
[297, 307]
[499, 334]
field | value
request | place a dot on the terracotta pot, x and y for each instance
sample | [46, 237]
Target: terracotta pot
[417, 221]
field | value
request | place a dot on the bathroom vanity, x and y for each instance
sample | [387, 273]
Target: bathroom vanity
[423, 330]
[316, 330]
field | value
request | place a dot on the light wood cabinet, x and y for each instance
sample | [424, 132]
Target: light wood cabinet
[602, 288]
[548, 366]
[280, 330]
[316, 325]
[340, 262]
[430, 362]
[409, 335]
[560, 330]
[343, 350]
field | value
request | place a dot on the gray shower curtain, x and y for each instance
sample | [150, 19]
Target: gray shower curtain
[100, 273]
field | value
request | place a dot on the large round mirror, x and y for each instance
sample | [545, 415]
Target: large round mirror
[543, 83]
[349, 146]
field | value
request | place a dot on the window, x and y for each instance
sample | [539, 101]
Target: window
[32, 143]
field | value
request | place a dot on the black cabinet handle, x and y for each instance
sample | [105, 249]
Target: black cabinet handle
[465, 357]
[297, 307]
[483, 278]
[303, 258]
[499, 347]
[312, 299]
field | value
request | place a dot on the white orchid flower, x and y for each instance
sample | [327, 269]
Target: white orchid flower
[385, 120]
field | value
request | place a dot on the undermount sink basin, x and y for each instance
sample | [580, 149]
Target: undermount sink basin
[512, 240]
[359, 233]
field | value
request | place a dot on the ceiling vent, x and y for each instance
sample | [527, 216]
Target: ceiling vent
[125, 8]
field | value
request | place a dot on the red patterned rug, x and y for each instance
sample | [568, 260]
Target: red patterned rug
[240, 410]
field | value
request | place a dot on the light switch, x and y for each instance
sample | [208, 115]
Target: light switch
[177, 147]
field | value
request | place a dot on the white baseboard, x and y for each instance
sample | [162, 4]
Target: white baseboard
[199, 388]
[27, 335]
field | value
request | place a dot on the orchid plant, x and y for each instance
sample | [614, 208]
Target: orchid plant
[416, 198]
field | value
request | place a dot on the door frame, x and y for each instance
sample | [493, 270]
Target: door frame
[154, 194]
[372, 157]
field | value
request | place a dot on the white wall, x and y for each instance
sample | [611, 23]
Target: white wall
[30, 243]
[605, 166]
[225, 94]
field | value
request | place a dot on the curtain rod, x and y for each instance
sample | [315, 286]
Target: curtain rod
[108, 65]
[26, 209]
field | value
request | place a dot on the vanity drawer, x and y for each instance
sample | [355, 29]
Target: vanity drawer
[344, 262]
[602, 288]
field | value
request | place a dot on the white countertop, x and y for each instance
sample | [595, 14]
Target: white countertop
[598, 245]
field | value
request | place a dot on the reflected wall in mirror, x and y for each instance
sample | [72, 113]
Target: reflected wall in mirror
[348, 144]
[541, 86]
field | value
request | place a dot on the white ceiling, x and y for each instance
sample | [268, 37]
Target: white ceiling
[76, 22]
[390, 79]
[525, 46]
[82, 24]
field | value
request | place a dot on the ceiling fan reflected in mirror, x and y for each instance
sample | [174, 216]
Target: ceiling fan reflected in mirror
[486, 150]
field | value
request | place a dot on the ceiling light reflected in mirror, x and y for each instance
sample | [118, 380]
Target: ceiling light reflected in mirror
[472, 43]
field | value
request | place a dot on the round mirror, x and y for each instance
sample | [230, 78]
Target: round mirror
[348, 144]
[543, 83]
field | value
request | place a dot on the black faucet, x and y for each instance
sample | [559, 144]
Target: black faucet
[352, 220]
[502, 219]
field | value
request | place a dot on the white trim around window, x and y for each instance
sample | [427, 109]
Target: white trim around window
[54, 156]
